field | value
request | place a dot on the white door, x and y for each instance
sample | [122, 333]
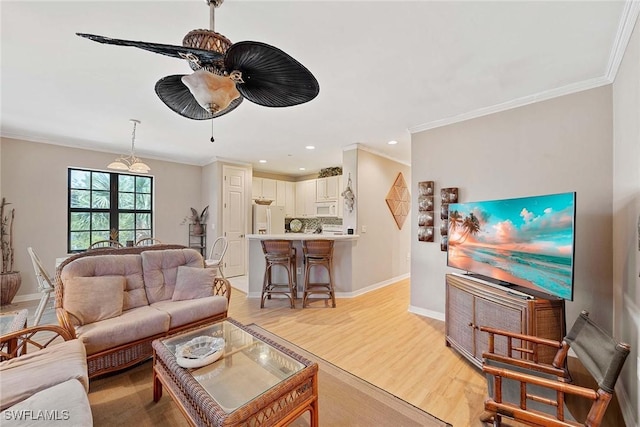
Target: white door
[234, 219]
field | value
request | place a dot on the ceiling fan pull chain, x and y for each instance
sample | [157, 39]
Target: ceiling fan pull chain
[212, 140]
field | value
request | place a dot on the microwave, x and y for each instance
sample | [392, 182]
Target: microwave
[326, 209]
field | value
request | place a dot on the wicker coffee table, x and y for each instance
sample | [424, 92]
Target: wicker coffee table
[256, 382]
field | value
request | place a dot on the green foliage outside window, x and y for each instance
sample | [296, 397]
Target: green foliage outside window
[104, 204]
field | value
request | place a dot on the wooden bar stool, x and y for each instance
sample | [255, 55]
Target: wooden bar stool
[279, 253]
[318, 253]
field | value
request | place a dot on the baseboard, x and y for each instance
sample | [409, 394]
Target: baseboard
[373, 287]
[349, 294]
[426, 313]
[27, 297]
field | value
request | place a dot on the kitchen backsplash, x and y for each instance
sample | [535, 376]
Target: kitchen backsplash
[312, 223]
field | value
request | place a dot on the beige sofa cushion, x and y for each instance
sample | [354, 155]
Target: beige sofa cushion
[91, 299]
[66, 403]
[184, 312]
[193, 283]
[128, 266]
[160, 269]
[131, 325]
[26, 375]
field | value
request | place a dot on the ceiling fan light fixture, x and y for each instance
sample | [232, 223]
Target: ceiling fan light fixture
[213, 92]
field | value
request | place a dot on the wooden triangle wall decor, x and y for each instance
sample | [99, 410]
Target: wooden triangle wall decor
[399, 200]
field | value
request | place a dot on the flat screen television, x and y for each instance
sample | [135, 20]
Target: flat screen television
[524, 242]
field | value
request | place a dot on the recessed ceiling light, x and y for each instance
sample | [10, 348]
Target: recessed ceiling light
[310, 147]
[392, 142]
[262, 161]
[301, 169]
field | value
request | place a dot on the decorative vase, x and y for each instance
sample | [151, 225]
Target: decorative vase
[197, 229]
[9, 285]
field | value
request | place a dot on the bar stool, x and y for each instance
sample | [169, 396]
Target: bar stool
[279, 253]
[318, 253]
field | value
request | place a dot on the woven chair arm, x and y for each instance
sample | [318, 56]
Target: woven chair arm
[64, 319]
[222, 287]
[16, 343]
[562, 387]
[529, 338]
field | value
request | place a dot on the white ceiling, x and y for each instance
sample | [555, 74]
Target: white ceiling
[385, 69]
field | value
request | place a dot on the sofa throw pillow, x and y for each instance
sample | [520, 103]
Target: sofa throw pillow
[193, 282]
[90, 299]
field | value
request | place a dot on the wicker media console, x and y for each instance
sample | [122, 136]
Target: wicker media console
[472, 303]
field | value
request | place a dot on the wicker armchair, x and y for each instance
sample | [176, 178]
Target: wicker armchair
[24, 341]
[535, 393]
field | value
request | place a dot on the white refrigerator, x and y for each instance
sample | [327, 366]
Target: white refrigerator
[268, 219]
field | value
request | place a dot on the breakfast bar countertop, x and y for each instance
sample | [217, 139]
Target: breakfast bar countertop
[303, 236]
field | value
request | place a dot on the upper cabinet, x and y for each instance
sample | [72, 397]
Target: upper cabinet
[263, 188]
[286, 196]
[327, 189]
[305, 198]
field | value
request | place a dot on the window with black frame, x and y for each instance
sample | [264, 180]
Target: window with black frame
[107, 206]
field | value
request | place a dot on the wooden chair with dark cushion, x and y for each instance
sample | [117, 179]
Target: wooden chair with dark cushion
[535, 393]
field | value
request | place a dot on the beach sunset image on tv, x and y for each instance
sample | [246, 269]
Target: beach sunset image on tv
[526, 241]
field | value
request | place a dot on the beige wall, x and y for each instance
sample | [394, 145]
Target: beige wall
[382, 252]
[564, 144]
[626, 214]
[34, 179]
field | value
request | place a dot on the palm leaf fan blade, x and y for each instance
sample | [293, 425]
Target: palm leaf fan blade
[271, 77]
[177, 97]
[204, 56]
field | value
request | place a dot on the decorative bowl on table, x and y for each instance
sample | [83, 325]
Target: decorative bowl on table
[263, 201]
[199, 352]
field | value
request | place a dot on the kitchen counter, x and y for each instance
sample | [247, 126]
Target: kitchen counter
[342, 262]
[303, 236]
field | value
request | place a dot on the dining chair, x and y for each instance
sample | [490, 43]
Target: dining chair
[105, 244]
[148, 241]
[216, 255]
[45, 285]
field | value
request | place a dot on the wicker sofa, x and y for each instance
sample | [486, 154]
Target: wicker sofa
[117, 301]
[46, 384]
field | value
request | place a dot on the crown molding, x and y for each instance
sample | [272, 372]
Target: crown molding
[363, 147]
[518, 102]
[626, 25]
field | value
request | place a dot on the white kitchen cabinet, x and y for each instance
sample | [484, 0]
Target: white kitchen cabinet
[286, 196]
[263, 188]
[327, 188]
[305, 198]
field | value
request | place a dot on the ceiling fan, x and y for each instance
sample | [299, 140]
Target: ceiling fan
[225, 73]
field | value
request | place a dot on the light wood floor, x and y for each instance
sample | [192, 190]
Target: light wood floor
[374, 337]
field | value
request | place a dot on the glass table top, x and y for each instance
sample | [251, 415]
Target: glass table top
[248, 367]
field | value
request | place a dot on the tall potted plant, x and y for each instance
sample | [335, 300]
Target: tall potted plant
[10, 279]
